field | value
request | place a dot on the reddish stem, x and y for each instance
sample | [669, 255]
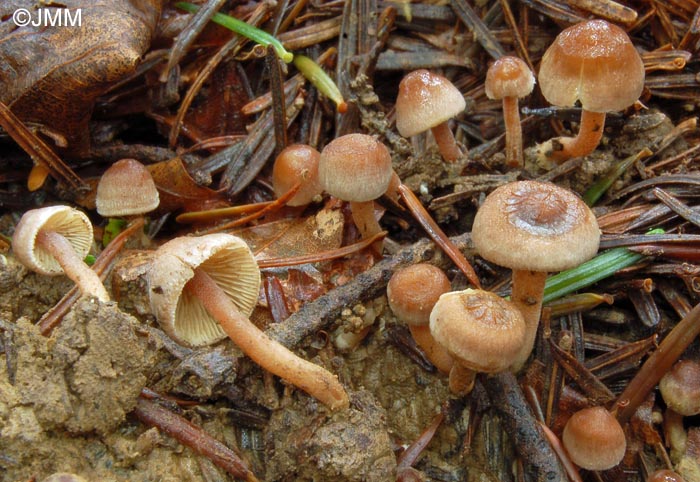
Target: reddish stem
[590, 133]
[514, 132]
[446, 142]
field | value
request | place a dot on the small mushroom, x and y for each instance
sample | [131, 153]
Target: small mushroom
[534, 228]
[508, 79]
[203, 289]
[680, 388]
[126, 189]
[412, 293]
[665, 475]
[427, 101]
[594, 439]
[593, 62]
[482, 331]
[54, 240]
[297, 163]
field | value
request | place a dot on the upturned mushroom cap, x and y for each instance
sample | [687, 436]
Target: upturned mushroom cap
[414, 290]
[594, 62]
[594, 439]
[680, 388]
[480, 329]
[70, 223]
[509, 77]
[535, 226]
[126, 189]
[426, 100]
[297, 163]
[225, 258]
[355, 167]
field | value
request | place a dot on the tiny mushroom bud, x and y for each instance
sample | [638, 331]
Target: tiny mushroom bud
[680, 388]
[533, 228]
[297, 163]
[412, 293]
[595, 63]
[427, 101]
[482, 331]
[357, 168]
[64, 477]
[594, 439]
[509, 78]
[665, 475]
[54, 240]
[202, 289]
[126, 189]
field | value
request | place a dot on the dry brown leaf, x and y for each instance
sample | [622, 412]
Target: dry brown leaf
[52, 75]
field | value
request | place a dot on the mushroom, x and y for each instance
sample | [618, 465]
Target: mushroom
[126, 189]
[297, 163]
[202, 289]
[412, 293]
[508, 79]
[427, 101]
[595, 63]
[594, 439]
[534, 228]
[680, 388]
[665, 475]
[482, 331]
[54, 240]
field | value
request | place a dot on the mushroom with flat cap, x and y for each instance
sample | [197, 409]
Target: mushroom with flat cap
[508, 79]
[594, 439]
[595, 63]
[54, 240]
[427, 101]
[412, 293]
[297, 163]
[202, 289]
[534, 228]
[482, 331]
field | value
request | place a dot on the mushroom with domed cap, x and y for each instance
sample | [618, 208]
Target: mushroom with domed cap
[534, 228]
[594, 439]
[593, 62]
[680, 388]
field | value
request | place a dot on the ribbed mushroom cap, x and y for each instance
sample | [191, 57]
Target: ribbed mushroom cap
[594, 62]
[680, 388]
[126, 189]
[70, 223]
[480, 329]
[594, 439]
[509, 77]
[426, 100]
[355, 167]
[225, 258]
[535, 226]
[297, 163]
[414, 290]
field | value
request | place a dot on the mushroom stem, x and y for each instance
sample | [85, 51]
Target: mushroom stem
[366, 222]
[461, 379]
[528, 288]
[446, 142]
[269, 354]
[437, 355]
[590, 133]
[514, 132]
[85, 278]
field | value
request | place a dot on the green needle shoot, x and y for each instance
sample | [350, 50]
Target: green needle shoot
[599, 188]
[320, 79]
[242, 28]
[592, 271]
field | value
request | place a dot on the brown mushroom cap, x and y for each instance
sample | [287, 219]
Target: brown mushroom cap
[414, 290]
[594, 439]
[536, 226]
[297, 163]
[70, 223]
[226, 259]
[509, 77]
[594, 62]
[426, 100]
[126, 189]
[680, 388]
[480, 329]
[665, 475]
[355, 167]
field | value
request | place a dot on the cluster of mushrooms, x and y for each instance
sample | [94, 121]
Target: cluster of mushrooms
[202, 289]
